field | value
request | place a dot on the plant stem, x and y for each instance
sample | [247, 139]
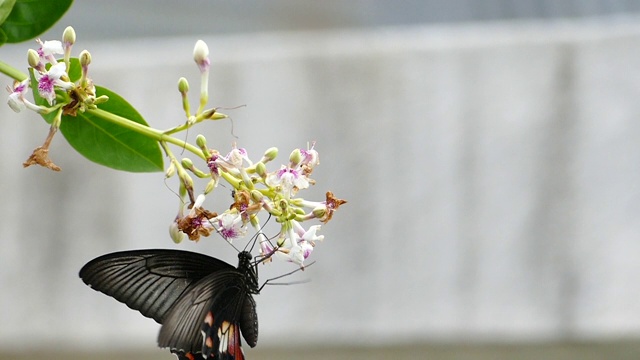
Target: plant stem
[146, 131]
[12, 72]
[187, 125]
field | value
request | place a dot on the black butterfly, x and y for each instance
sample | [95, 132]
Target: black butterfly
[202, 303]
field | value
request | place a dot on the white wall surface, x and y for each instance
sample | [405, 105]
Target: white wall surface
[492, 173]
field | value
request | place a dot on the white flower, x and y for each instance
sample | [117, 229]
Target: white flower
[295, 249]
[48, 81]
[231, 163]
[296, 254]
[236, 157]
[310, 158]
[230, 226]
[310, 235]
[16, 98]
[299, 252]
[51, 47]
[288, 178]
[48, 49]
[197, 204]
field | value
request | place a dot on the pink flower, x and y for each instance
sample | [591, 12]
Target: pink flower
[16, 98]
[289, 179]
[48, 49]
[230, 226]
[48, 82]
[310, 158]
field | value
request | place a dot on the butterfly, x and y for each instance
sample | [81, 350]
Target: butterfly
[202, 303]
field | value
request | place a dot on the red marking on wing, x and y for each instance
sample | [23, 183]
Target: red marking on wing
[229, 340]
[234, 343]
[182, 356]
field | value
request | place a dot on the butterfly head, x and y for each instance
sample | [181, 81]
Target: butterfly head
[245, 258]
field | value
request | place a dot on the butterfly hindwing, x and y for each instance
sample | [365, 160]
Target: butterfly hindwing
[221, 327]
[206, 320]
[149, 281]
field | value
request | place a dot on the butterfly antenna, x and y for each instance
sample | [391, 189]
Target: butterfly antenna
[172, 191]
[270, 281]
[232, 128]
[230, 118]
[186, 136]
[258, 234]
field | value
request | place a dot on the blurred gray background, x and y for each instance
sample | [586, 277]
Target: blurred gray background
[490, 153]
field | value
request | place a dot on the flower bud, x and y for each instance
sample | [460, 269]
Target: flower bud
[256, 196]
[69, 36]
[218, 116]
[295, 157]
[101, 99]
[171, 170]
[208, 114]
[201, 56]
[186, 180]
[201, 141]
[269, 155]
[175, 233]
[183, 85]
[33, 58]
[187, 163]
[210, 186]
[320, 212]
[261, 169]
[85, 58]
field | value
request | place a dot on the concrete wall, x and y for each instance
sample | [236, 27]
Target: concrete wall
[492, 174]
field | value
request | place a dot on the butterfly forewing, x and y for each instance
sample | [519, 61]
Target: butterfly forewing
[149, 281]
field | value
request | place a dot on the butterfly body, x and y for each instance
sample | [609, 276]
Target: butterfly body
[202, 303]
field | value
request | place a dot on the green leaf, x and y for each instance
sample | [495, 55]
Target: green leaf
[30, 18]
[3, 37]
[5, 9]
[110, 144]
[74, 71]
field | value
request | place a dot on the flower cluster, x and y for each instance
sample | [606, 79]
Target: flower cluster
[53, 82]
[55, 90]
[256, 190]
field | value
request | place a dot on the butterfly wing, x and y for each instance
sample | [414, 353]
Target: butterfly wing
[206, 320]
[149, 281]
